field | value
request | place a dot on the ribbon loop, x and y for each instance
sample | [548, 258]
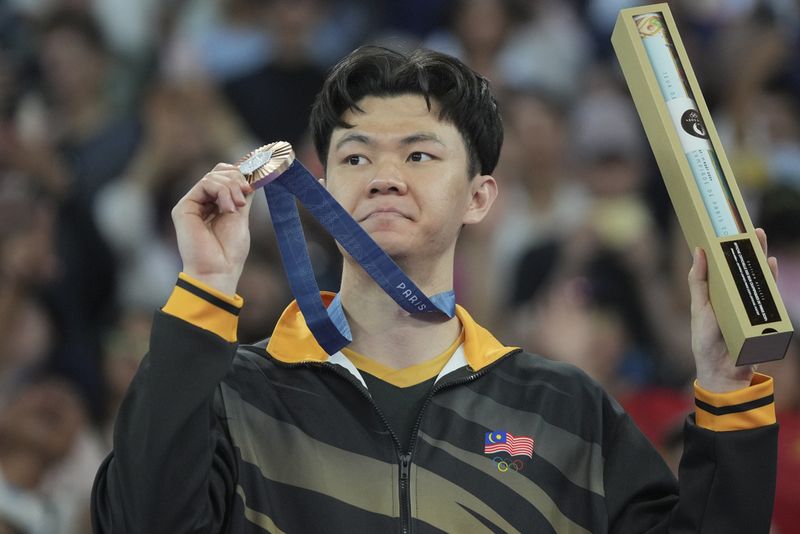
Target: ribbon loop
[329, 325]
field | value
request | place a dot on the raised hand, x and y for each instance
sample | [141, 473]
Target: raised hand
[715, 366]
[211, 222]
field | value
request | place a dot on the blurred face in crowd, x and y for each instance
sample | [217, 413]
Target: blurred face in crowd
[540, 134]
[482, 25]
[291, 23]
[39, 428]
[612, 174]
[175, 125]
[73, 69]
[402, 174]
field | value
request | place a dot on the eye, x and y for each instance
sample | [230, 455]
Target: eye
[355, 159]
[419, 156]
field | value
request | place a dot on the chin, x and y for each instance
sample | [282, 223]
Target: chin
[393, 246]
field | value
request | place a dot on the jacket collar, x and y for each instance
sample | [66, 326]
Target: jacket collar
[293, 342]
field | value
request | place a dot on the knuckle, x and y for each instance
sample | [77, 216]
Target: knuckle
[208, 182]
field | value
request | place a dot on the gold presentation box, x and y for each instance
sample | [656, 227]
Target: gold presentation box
[707, 201]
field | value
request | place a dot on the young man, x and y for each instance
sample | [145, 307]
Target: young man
[419, 425]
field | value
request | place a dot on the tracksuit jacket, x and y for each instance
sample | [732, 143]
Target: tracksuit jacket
[281, 437]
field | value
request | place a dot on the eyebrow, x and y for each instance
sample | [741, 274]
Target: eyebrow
[353, 138]
[408, 140]
[421, 137]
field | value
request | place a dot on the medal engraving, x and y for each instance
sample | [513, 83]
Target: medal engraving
[266, 163]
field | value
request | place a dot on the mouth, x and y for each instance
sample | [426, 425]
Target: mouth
[384, 213]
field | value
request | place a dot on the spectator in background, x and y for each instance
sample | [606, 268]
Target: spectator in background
[544, 201]
[91, 142]
[518, 44]
[47, 458]
[758, 111]
[92, 138]
[779, 212]
[606, 279]
[187, 126]
[27, 264]
[541, 201]
[231, 41]
[274, 101]
[48, 452]
[477, 32]
[587, 311]
[23, 136]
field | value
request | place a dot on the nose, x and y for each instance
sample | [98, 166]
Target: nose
[387, 180]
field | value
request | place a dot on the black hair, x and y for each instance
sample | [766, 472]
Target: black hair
[463, 96]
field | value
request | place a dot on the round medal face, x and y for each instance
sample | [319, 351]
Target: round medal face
[266, 163]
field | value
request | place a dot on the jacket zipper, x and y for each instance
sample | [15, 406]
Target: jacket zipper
[405, 493]
[404, 458]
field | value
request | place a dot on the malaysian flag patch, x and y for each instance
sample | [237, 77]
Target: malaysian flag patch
[500, 441]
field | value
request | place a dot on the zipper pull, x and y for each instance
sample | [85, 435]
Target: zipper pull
[405, 466]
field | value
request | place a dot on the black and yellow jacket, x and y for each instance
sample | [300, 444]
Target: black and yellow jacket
[281, 437]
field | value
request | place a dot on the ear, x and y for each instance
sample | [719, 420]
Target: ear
[483, 190]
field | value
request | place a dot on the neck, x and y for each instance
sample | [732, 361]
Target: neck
[386, 333]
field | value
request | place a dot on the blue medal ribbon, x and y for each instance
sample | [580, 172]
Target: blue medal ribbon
[329, 325]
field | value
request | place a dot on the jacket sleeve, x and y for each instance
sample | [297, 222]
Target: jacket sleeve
[726, 479]
[172, 468]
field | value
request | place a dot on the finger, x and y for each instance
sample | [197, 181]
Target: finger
[225, 167]
[699, 270]
[223, 188]
[762, 238]
[209, 194]
[772, 261]
[242, 192]
[225, 200]
[698, 279]
[237, 183]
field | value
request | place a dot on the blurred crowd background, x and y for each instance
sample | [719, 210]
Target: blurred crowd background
[111, 109]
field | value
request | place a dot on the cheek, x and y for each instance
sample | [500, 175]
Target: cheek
[342, 195]
[450, 204]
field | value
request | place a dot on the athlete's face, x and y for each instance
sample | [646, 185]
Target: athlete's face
[402, 174]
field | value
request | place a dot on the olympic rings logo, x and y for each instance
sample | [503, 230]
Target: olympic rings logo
[505, 465]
